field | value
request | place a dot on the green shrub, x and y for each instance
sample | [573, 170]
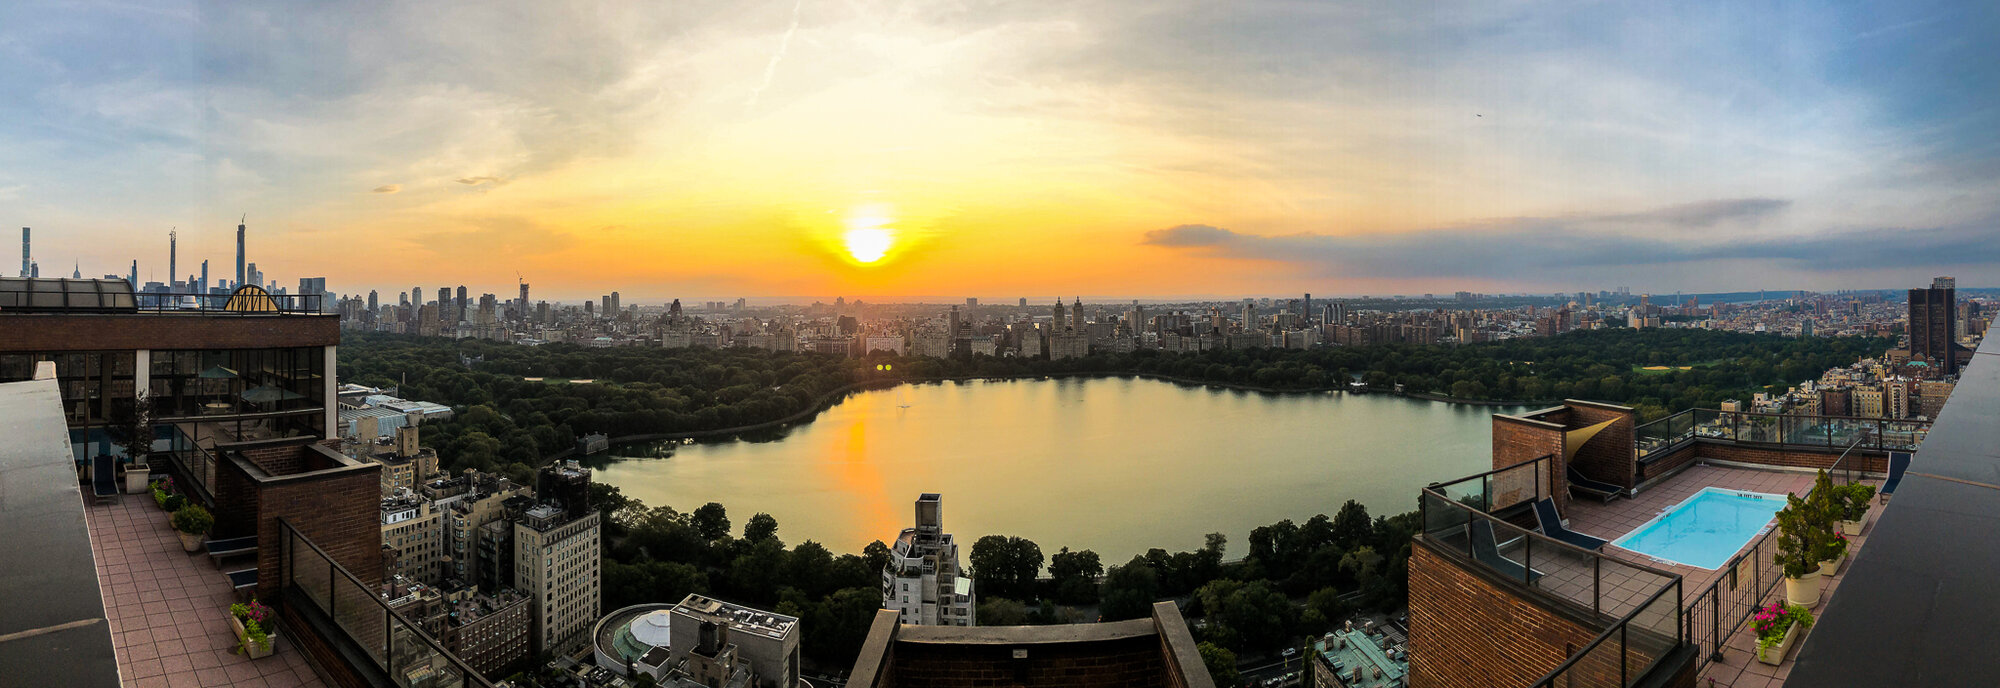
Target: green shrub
[192, 519]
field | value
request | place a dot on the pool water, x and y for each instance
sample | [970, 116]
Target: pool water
[1706, 529]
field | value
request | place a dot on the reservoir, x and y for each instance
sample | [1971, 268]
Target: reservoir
[1113, 465]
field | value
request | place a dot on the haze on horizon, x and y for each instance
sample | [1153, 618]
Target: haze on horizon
[898, 149]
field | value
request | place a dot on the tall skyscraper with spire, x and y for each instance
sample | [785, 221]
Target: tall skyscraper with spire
[241, 266]
[1076, 315]
[173, 257]
[27, 265]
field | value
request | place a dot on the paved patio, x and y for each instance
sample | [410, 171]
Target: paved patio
[1621, 516]
[169, 609]
[1739, 667]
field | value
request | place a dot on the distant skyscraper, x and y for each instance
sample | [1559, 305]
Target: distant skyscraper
[1076, 316]
[27, 265]
[203, 287]
[173, 257]
[521, 306]
[445, 312]
[374, 301]
[416, 297]
[135, 274]
[242, 268]
[1024, 302]
[1933, 324]
[460, 308]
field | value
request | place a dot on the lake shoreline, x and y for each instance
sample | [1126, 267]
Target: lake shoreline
[828, 400]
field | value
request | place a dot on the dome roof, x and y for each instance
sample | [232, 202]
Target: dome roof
[651, 628]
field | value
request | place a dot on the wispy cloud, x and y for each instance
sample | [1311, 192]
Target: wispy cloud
[771, 68]
[476, 181]
[1563, 250]
[387, 189]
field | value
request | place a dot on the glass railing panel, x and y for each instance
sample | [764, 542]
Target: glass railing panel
[357, 611]
[1651, 633]
[311, 573]
[416, 663]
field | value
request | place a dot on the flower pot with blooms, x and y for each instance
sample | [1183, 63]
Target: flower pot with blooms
[1778, 626]
[1835, 552]
[192, 522]
[256, 643]
[243, 617]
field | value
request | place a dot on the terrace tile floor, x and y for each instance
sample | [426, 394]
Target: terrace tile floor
[168, 608]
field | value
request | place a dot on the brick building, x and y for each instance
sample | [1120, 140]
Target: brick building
[1156, 652]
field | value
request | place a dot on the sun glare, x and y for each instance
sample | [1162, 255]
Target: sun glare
[868, 244]
[868, 236]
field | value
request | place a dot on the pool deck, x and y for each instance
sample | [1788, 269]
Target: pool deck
[1621, 516]
[1739, 667]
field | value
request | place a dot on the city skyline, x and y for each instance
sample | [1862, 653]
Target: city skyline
[1188, 151]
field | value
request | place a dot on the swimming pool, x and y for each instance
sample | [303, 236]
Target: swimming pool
[1705, 530]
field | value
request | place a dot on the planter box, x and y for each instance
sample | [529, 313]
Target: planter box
[190, 541]
[1775, 654]
[1850, 528]
[1804, 590]
[253, 651]
[1831, 566]
[136, 476]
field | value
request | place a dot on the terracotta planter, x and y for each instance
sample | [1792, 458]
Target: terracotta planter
[1850, 528]
[135, 478]
[1804, 590]
[1775, 654]
[254, 651]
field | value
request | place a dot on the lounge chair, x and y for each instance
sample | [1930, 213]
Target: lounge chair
[104, 477]
[1899, 462]
[220, 549]
[1605, 492]
[1486, 548]
[1552, 526]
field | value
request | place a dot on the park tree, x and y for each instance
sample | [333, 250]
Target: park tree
[1129, 591]
[1006, 566]
[761, 527]
[1074, 576]
[711, 521]
[1221, 663]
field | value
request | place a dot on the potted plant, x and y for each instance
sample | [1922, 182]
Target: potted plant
[165, 496]
[1798, 536]
[253, 617]
[1778, 625]
[192, 522]
[138, 443]
[256, 643]
[1833, 551]
[1854, 503]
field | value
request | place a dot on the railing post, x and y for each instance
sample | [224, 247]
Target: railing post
[1622, 647]
[1715, 626]
[1596, 585]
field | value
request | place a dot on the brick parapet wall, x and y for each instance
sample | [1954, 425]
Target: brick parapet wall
[1518, 439]
[26, 332]
[1469, 632]
[1131, 662]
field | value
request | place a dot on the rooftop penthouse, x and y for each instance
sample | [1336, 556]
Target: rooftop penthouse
[1604, 552]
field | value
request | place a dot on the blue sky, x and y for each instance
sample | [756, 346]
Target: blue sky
[1171, 148]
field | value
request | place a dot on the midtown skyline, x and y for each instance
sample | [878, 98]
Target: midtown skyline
[902, 151]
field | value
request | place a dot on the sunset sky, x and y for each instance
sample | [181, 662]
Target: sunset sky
[1153, 148]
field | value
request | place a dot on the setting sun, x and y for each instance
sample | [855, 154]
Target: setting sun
[868, 244]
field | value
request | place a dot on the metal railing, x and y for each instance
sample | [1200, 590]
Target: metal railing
[397, 648]
[1719, 609]
[1502, 488]
[1601, 585]
[1628, 651]
[196, 463]
[1641, 605]
[1824, 432]
[217, 304]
